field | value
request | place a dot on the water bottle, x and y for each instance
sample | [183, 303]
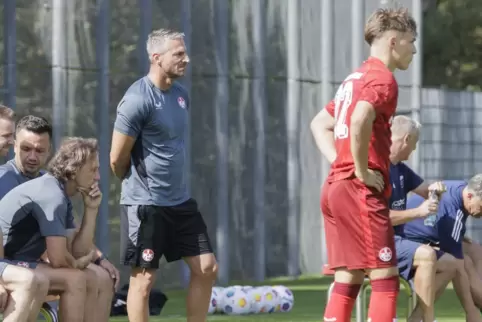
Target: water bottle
[431, 219]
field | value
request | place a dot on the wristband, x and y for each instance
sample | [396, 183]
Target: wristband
[100, 259]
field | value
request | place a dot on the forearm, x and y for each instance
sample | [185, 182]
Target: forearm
[422, 191]
[359, 143]
[399, 217]
[83, 241]
[65, 261]
[325, 142]
[120, 168]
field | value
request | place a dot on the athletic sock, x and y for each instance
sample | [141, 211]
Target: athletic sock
[341, 302]
[383, 301]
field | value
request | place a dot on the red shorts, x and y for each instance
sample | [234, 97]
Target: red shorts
[359, 234]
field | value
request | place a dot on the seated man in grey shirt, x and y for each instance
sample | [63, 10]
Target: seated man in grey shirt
[22, 291]
[32, 148]
[37, 216]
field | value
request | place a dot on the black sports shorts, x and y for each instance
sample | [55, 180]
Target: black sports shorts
[149, 232]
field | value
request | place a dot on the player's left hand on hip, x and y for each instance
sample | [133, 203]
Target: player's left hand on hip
[439, 187]
[92, 197]
[113, 272]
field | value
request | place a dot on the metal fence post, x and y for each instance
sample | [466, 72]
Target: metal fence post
[187, 81]
[59, 72]
[10, 45]
[292, 128]
[103, 120]
[327, 62]
[9, 89]
[221, 28]
[416, 92]
[357, 27]
[145, 24]
[259, 102]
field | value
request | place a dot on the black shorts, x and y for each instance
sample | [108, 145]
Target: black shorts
[149, 232]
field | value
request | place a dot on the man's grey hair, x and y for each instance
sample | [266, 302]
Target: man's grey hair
[475, 185]
[403, 125]
[156, 41]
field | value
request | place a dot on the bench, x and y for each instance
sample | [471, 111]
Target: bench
[361, 300]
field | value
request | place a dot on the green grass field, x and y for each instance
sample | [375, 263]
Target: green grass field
[310, 299]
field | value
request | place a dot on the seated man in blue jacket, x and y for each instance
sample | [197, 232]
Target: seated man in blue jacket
[446, 232]
[415, 260]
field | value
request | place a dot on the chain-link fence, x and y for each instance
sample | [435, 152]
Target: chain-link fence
[261, 69]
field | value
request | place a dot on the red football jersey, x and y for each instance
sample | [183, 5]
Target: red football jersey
[374, 83]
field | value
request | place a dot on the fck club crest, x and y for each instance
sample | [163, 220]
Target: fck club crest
[148, 255]
[181, 102]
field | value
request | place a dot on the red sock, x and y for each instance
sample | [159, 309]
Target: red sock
[341, 302]
[383, 301]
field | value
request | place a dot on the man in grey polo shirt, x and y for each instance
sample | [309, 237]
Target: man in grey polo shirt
[159, 217]
[21, 290]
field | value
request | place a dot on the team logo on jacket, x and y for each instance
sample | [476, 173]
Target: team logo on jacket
[181, 102]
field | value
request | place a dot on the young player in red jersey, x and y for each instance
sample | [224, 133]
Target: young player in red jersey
[353, 132]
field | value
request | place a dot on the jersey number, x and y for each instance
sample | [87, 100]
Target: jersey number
[343, 100]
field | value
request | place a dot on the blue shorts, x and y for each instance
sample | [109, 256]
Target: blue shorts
[406, 249]
[31, 265]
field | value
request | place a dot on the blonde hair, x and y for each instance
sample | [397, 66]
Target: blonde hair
[385, 19]
[73, 154]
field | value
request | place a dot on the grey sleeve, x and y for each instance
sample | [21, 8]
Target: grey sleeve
[8, 181]
[52, 215]
[132, 112]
